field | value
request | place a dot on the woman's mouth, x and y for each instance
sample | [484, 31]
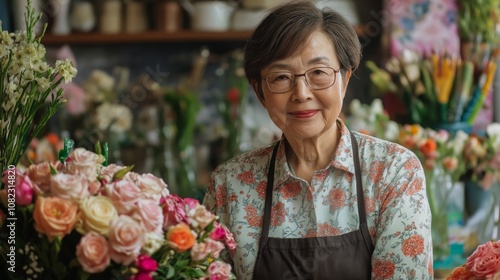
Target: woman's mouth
[304, 114]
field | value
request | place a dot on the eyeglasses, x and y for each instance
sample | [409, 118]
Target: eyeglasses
[316, 78]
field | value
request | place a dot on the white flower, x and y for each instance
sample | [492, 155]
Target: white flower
[66, 69]
[493, 131]
[116, 117]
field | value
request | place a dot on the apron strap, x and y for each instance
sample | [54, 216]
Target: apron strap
[359, 185]
[269, 199]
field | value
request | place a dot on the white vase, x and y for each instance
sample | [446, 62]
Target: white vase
[82, 16]
[209, 15]
[19, 9]
[60, 14]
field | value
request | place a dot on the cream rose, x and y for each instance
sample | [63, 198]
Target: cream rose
[40, 175]
[93, 252]
[152, 187]
[152, 243]
[84, 163]
[150, 215]
[68, 186]
[97, 212]
[200, 217]
[126, 238]
[124, 194]
[55, 216]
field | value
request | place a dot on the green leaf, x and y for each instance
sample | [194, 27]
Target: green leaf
[105, 153]
[68, 146]
[122, 172]
[98, 148]
[171, 272]
[52, 170]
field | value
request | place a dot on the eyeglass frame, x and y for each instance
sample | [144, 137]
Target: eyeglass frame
[295, 76]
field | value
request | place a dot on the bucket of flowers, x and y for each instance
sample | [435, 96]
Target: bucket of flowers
[483, 264]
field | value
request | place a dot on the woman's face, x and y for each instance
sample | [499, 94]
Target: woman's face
[304, 113]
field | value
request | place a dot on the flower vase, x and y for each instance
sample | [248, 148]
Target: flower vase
[60, 14]
[447, 207]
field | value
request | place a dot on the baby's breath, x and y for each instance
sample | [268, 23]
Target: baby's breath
[26, 83]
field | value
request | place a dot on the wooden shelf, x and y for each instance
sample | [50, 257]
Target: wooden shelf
[145, 37]
[152, 37]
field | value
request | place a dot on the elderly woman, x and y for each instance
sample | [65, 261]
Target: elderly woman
[323, 202]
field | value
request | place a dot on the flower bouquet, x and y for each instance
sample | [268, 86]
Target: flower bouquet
[79, 219]
[483, 264]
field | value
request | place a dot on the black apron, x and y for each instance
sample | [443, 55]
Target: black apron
[346, 256]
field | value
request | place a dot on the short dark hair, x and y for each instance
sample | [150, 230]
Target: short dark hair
[283, 32]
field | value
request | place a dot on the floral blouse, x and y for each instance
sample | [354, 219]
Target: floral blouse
[398, 215]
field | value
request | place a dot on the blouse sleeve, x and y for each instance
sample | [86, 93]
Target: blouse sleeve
[403, 243]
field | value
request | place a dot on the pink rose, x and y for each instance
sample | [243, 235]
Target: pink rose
[146, 264]
[200, 217]
[218, 233]
[68, 186]
[40, 175]
[174, 211]
[191, 202]
[151, 186]
[485, 261]
[219, 271]
[150, 214]
[126, 237]
[93, 252]
[94, 187]
[214, 247]
[84, 163]
[142, 276]
[108, 172]
[124, 194]
[24, 190]
[199, 251]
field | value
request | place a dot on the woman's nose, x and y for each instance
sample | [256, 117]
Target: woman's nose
[301, 91]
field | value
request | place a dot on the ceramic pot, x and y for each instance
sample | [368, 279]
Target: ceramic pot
[60, 14]
[169, 16]
[209, 15]
[18, 10]
[82, 16]
[135, 17]
[111, 17]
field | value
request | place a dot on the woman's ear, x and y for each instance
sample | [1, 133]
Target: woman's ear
[345, 78]
[257, 87]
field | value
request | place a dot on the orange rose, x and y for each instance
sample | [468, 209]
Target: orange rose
[428, 147]
[55, 216]
[180, 237]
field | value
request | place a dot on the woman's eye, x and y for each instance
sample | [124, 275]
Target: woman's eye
[318, 72]
[281, 78]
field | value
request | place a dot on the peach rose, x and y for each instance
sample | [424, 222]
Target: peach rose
[484, 262]
[199, 252]
[92, 252]
[55, 216]
[124, 194]
[40, 175]
[150, 214]
[180, 237]
[84, 163]
[68, 186]
[200, 217]
[126, 237]
[97, 212]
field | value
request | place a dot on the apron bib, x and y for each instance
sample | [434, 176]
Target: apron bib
[346, 256]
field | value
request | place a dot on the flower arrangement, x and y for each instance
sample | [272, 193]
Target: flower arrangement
[483, 264]
[435, 89]
[80, 219]
[31, 90]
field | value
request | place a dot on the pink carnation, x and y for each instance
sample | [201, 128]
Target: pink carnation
[146, 264]
[174, 211]
[24, 190]
[219, 271]
[218, 233]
